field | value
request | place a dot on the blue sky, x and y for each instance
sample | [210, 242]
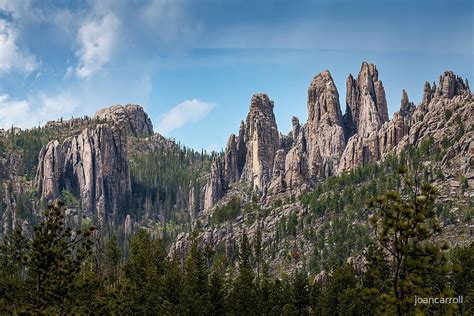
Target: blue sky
[194, 65]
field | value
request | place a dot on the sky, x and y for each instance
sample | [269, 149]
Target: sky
[194, 65]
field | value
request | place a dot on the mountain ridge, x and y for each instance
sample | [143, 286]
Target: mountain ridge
[114, 164]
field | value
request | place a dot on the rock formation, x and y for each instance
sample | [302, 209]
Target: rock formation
[131, 116]
[366, 105]
[393, 131]
[248, 157]
[328, 143]
[216, 185]
[366, 112]
[262, 142]
[325, 134]
[93, 166]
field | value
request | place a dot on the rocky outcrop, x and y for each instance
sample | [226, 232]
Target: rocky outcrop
[131, 116]
[278, 183]
[233, 161]
[49, 170]
[451, 85]
[325, 134]
[328, 143]
[296, 165]
[93, 166]
[428, 93]
[216, 184]
[446, 122]
[262, 142]
[248, 157]
[93, 162]
[366, 105]
[393, 131]
[366, 112]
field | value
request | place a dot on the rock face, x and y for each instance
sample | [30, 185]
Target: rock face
[216, 185]
[262, 142]
[93, 164]
[393, 131]
[366, 105]
[296, 165]
[325, 134]
[451, 85]
[366, 112]
[329, 143]
[131, 116]
[248, 157]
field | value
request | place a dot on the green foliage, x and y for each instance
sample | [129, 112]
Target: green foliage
[462, 278]
[196, 298]
[162, 180]
[69, 199]
[226, 212]
[404, 224]
[113, 262]
[143, 279]
[143, 272]
[244, 291]
[55, 260]
[44, 272]
[26, 145]
[337, 241]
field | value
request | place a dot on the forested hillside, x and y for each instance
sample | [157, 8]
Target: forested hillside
[62, 271]
[346, 214]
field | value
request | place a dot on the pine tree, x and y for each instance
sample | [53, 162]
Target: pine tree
[244, 287]
[404, 225]
[144, 271]
[462, 278]
[113, 261]
[54, 263]
[173, 283]
[196, 281]
[301, 295]
[13, 253]
[217, 287]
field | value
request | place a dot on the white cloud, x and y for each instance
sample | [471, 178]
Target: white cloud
[98, 38]
[188, 111]
[35, 110]
[12, 57]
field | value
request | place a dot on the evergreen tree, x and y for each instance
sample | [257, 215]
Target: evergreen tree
[196, 281]
[55, 260]
[13, 253]
[217, 287]
[173, 283]
[462, 278]
[301, 294]
[113, 261]
[244, 286]
[336, 290]
[404, 225]
[144, 271]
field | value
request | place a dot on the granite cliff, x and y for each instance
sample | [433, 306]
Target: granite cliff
[330, 143]
[94, 165]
